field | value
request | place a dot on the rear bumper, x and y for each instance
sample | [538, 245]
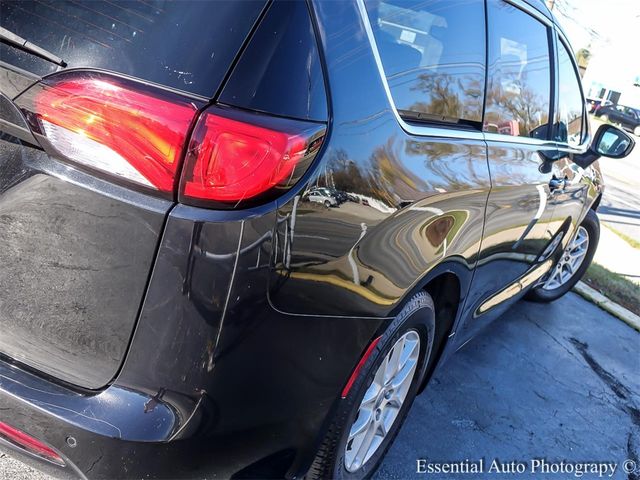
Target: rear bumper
[263, 417]
[121, 433]
[216, 382]
[84, 429]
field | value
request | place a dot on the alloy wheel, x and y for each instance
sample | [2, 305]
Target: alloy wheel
[382, 401]
[572, 258]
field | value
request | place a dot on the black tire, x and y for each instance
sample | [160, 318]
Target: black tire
[418, 314]
[327, 203]
[592, 226]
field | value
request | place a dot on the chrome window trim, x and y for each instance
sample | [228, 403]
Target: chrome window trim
[444, 132]
[499, 138]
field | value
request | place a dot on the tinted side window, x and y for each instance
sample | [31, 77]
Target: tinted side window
[433, 54]
[188, 45]
[280, 70]
[519, 81]
[570, 105]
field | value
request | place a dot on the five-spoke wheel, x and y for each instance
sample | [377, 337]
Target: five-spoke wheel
[570, 262]
[382, 401]
[369, 414]
[574, 261]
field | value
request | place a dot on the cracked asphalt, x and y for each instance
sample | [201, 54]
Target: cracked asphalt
[558, 381]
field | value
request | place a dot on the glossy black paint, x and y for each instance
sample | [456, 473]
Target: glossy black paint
[76, 253]
[252, 320]
[518, 227]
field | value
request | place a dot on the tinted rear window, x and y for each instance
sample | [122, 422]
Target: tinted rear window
[188, 45]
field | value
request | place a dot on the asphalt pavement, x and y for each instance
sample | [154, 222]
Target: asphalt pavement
[555, 382]
[558, 382]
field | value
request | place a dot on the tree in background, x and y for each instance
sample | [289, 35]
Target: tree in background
[583, 56]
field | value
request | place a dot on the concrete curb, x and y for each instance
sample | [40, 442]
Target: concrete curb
[607, 305]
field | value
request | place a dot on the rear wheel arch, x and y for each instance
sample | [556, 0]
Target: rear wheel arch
[331, 459]
[445, 290]
[445, 284]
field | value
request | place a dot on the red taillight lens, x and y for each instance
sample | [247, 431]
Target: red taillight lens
[115, 126]
[137, 132]
[29, 444]
[235, 156]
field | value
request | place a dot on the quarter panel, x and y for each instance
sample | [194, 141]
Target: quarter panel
[184, 306]
[411, 201]
[248, 383]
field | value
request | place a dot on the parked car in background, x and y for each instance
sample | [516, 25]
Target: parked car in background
[169, 304]
[593, 104]
[627, 117]
[321, 195]
[339, 195]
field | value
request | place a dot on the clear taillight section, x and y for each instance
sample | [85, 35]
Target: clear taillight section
[137, 133]
[235, 156]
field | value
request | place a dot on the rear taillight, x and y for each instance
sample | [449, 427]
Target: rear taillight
[137, 133]
[29, 444]
[235, 156]
[108, 124]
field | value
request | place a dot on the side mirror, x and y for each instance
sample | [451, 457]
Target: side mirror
[609, 141]
[612, 142]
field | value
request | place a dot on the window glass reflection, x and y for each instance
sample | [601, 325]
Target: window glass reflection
[519, 81]
[570, 104]
[613, 143]
[433, 55]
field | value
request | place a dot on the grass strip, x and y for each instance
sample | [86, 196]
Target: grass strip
[613, 286]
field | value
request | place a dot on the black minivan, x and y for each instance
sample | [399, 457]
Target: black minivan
[173, 304]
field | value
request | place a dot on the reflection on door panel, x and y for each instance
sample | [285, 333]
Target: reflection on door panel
[416, 199]
[518, 227]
